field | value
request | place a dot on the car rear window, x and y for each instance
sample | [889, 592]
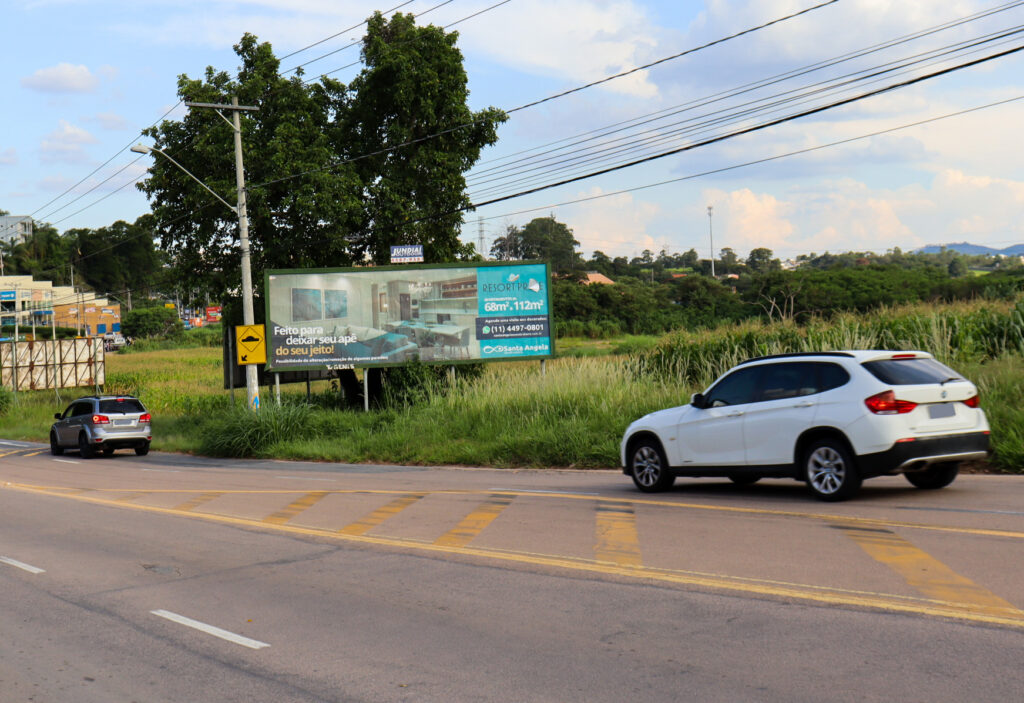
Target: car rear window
[121, 405]
[910, 372]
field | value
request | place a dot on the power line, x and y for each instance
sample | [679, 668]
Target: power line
[754, 162]
[608, 152]
[449, 130]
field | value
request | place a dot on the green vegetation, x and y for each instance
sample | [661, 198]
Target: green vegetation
[508, 414]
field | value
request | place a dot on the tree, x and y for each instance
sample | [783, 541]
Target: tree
[761, 261]
[542, 238]
[328, 183]
[730, 263]
[957, 268]
[414, 87]
[151, 322]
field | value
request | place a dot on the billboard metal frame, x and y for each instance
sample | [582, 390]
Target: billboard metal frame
[381, 307]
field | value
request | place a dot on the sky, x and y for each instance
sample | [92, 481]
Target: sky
[82, 78]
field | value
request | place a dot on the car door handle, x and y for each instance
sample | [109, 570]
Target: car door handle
[803, 405]
[735, 414]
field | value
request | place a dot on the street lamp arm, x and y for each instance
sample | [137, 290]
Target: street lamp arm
[142, 149]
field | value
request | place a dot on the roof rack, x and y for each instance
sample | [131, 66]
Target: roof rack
[797, 354]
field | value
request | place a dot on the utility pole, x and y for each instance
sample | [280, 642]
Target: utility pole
[248, 315]
[711, 236]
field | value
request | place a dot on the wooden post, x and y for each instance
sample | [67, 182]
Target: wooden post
[543, 367]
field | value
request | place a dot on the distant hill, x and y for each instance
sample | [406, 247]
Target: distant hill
[972, 249]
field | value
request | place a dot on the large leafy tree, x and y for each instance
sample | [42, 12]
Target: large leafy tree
[542, 238]
[328, 183]
[413, 93]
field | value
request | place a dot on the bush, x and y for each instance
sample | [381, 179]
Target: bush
[124, 384]
[6, 400]
[239, 432]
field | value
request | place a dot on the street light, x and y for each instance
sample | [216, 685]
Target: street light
[711, 236]
[248, 316]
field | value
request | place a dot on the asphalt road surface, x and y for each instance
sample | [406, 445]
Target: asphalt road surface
[173, 578]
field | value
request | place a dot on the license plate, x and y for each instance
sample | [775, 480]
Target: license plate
[125, 423]
[941, 410]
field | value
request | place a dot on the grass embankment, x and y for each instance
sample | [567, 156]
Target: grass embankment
[573, 415]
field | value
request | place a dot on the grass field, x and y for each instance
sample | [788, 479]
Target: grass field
[573, 415]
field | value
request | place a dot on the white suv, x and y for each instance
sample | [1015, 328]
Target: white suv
[831, 419]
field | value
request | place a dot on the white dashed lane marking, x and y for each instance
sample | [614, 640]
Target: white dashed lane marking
[22, 565]
[210, 629]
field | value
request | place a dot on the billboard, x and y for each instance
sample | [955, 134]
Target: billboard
[391, 315]
[214, 313]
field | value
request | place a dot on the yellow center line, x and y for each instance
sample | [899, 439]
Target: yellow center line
[367, 523]
[927, 574]
[190, 505]
[295, 507]
[132, 496]
[617, 538]
[37, 453]
[474, 523]
[13, 451]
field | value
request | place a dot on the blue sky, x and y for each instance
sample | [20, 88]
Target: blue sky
[82, 77]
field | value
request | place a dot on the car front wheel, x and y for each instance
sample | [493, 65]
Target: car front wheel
[935, 476]
[830, 471]
[649, 468]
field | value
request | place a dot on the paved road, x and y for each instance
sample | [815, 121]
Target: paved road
[173, 578]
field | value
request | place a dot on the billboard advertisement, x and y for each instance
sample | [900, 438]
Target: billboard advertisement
[391, 315]
[213, 313]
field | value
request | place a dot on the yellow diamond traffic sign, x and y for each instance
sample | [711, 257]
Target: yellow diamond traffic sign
[251, 344]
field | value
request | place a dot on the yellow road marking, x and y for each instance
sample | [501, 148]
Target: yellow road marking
[805, 592]
[474, 523]
[926, 573]
[361, 527]
[132, 496]
[37, 453]
[13, 451]
[190, 505]
[617, 539]
[822, 517]
[294, 508]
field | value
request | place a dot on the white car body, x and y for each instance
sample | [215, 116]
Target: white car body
[768, 437]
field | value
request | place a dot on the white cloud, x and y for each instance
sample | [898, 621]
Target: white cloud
[8, 156]
[616, 225]
[746, 220]
[570, 40]
[62, 78]
[64, 144]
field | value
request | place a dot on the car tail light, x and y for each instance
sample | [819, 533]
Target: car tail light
[100, 420]
[972, 402]
[146, 417]
[904, 356]
[885, 403]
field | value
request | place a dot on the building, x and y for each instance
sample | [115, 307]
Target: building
[15, 228]
[40, 303]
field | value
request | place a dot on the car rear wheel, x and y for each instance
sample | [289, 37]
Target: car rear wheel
[142, 450]
[108, 451]
[744, 479]
[649, 468]
[935, 476]
[84, 448]
[830, 471]
[55, 448]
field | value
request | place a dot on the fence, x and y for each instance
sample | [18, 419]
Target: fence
[61, 363]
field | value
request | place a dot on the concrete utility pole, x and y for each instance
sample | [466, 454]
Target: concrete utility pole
[248, 315]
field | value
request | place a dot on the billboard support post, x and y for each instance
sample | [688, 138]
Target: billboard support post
[277, 388]
[366, 390]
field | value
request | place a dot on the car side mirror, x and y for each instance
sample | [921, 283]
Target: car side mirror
[56, 416]
[697, 400]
